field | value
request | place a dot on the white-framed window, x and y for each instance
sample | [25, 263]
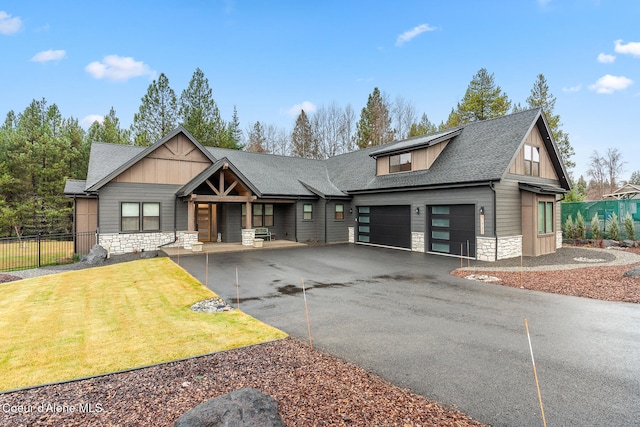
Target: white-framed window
[307, 212]
[136, 216]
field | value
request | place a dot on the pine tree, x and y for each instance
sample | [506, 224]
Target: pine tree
[234, 138]
[541, 97]
[303, 143]
[158, 113]
[109, 130]
[424, 127]
[635, 178]
[483, 99]
[374, 127]
[257, 139]
[199, 113]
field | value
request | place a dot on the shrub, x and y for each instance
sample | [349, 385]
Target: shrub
[595, 227]
[569, 228]
[629, 230]
[580, 227]
[613, 227]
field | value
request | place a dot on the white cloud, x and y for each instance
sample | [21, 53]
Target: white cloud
[610, 84]
[576, 88]
[49, 55]
[606, 59]
[88, 121]
[411, 34]
[9, 25]
[117, 68]
[307, 106]
[631, 48]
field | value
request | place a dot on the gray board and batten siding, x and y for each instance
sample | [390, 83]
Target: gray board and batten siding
[481, 196]
[115, 193]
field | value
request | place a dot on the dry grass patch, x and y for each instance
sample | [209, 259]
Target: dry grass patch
[107, 319]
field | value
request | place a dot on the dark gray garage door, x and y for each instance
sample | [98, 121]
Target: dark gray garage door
[452, 229]
[385, 225]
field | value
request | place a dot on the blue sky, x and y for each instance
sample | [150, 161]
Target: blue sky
[268, 58]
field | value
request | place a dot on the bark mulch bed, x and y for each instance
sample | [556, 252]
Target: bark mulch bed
[603, 283]
[311, 388]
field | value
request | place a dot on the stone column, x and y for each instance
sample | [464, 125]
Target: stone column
[248, 235]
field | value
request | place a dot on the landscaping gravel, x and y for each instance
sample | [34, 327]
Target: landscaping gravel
[577, 278]
[311, 388]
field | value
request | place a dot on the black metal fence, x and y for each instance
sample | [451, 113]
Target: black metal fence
[21, 253]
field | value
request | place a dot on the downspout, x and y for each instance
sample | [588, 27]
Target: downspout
[175, 224]
[295, 220]
[175, 219]
[495, 216]
[325, 219]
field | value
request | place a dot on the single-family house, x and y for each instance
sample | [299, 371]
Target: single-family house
[486, 190]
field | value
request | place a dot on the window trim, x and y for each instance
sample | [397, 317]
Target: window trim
[531, 160]
[264, 216]
[141, 217]
[305, 212]
[545, 205]
[405, 166]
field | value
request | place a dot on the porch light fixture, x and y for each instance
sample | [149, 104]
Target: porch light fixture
[481, 210]
[350, 210]
[418, 211]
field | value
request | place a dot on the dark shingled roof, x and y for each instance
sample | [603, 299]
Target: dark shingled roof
[478, 152]
[75, 187]
[416, 142]
[482, 152]
[105, 158]
[281, 175]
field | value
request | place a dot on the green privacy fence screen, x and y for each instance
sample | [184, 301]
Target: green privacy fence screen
[604, 209]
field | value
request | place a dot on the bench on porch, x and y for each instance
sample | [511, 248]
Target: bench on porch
[263, 233]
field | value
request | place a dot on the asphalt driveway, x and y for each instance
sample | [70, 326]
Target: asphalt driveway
[402, 316]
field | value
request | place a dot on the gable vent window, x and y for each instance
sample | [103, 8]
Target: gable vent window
[400, 163]
[531, 160]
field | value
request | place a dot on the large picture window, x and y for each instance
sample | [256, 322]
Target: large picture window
[545, 217]
[400, 163]
[135, 216]
[531, 160]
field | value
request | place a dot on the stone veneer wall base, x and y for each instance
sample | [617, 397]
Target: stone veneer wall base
[352, 234]
[508, 247]
[122, 243]
[417, 241]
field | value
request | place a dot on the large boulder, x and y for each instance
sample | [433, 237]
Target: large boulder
[634, 272]
[243, 407]
[96, 255]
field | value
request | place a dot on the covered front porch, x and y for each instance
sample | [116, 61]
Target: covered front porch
[223, 207]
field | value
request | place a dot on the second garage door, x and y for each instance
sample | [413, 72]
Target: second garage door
[452, 230]
[385, 225]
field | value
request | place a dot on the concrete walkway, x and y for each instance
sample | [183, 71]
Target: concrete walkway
[216, 248]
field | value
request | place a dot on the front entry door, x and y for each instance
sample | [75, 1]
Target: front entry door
[203, 222]
[206, 222]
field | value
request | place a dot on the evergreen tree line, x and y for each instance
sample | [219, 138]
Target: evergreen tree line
[40, 150]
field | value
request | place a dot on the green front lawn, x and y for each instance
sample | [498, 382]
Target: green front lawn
[107, 319]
